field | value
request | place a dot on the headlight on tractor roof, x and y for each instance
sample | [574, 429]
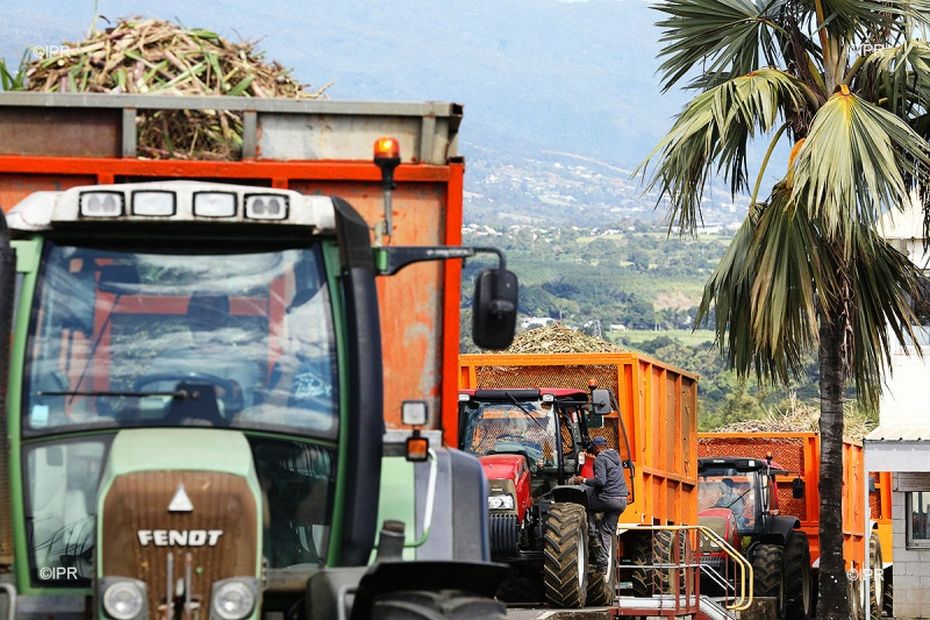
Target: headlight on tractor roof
[500, 502]
[214, 204]
[266, 207]
[154, 203]
[233, 599]
[124, 599]
[101, 204]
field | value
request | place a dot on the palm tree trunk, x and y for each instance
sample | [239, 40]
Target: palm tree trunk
[832, 603]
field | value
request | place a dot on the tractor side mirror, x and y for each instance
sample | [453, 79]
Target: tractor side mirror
[494, 313]
[594, 420]
[797, 488]
[600, 399]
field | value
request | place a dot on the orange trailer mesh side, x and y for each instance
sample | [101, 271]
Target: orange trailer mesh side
[788, 452]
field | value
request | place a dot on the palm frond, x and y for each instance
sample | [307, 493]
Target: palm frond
[768, 289]
[858, 161]
[726, 37]
[883, 283]
[870, 21]
[713, 132]
[899, 77]
[782, 274]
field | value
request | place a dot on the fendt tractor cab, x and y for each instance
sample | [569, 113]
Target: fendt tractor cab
[530, 443]
[194, 409]
[738, 500]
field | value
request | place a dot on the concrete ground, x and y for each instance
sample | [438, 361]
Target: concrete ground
[544, 613]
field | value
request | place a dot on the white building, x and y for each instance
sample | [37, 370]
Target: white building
[901, 445]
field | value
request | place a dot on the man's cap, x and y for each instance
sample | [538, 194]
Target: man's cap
[728, 481]
[599, 441]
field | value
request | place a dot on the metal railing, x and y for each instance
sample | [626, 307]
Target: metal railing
[680, 568]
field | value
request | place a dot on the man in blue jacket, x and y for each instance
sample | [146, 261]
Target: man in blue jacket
[607, 493]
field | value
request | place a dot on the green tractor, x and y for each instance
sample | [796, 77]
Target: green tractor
[194, 414]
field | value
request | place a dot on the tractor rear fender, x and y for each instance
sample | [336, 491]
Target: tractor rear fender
[574, 494]
[781, 528]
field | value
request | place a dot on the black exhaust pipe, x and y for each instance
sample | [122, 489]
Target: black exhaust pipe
[7, 292]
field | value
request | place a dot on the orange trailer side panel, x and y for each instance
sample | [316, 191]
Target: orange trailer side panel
[658, 408]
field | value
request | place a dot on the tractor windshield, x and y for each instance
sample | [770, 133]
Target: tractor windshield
[734, 491]
[502, 427]
[171, 337]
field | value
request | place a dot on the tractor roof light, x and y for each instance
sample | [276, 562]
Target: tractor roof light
[101, 204]
[154, 203]
[266, 207]
[215, 204]
[548, 398]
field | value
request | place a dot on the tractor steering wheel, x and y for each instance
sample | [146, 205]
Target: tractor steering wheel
[229, 391]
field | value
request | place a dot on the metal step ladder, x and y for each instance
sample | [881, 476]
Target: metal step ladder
[709, 609]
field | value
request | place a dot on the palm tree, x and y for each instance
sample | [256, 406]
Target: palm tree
[847, 85]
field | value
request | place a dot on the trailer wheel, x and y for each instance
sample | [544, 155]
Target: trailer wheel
[797, 571]
[877, 578]
[768, 578]
[432, 605]
[565, 555]
[663, 552]
[888, 599]
[638, 550]
[602, 590]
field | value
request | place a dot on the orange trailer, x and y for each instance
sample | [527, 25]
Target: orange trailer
[57, 141]
[658, 405]
[799, 453]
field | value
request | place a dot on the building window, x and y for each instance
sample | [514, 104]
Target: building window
[917, 514]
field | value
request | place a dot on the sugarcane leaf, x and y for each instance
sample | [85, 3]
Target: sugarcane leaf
[239, 88]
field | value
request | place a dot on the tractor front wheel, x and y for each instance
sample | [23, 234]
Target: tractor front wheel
[433, 605]
[768, 574]
[565, 555]
[602, 590]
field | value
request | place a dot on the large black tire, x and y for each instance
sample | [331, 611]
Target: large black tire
[876, 578]
[888, 605]
[768, 578]
[565, 556]
[430, 605]
[664, 552]
[637, 548]
[602, 587]
[799, 602]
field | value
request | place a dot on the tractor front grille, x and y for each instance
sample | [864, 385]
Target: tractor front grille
[504, 534]
[212, 536]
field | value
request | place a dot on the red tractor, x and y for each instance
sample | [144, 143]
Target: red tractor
[530, 443]
[738, 500]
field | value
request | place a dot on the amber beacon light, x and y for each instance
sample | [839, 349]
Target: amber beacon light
[387, 157]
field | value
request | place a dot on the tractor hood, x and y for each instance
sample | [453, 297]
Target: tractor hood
[502, 466]
[179, 506]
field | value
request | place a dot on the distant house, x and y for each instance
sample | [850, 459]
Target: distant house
[901, 445]
[536, 321]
